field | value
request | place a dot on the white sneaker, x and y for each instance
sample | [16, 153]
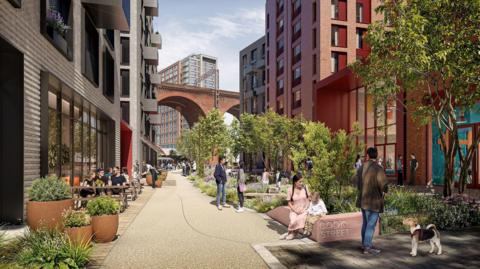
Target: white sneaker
[283, 236]
[219, 207]
[240, 210]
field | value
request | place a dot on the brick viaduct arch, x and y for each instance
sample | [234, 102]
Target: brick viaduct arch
[195, 102]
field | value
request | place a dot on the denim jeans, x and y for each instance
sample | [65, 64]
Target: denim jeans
[221, 191]
[241, 198]
[370, 219]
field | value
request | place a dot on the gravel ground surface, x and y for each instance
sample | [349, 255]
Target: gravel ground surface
[182, 228]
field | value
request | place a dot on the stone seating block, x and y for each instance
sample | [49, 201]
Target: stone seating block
[329, 228]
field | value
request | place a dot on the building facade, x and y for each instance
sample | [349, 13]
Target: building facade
[307, 41]
[59, 93]
[194, 70]
[138, 72]
[253, 78]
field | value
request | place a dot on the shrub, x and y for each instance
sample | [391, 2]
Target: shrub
[72, 218]
[51, 249]
[49, 189]
[262, 206]
[103, 205]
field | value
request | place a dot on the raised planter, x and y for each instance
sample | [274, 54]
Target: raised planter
[47, 214]
[105, 228]
[80, 235]
[347, 226]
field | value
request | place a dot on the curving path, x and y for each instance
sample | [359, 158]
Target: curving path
[180, 228]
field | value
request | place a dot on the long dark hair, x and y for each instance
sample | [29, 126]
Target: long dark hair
[295, 179]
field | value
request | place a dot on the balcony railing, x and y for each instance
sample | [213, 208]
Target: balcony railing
[151, 7]
[150, 54]
[157, 40]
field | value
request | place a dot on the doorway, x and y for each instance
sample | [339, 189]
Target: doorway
[11, 135]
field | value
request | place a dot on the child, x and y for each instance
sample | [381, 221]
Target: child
[315, 211]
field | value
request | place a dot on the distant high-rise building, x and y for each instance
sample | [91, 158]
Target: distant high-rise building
[195, 70]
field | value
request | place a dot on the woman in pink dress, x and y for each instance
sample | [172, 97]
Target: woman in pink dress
[298, 203]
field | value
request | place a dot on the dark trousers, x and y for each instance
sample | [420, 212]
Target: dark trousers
[400, 178]
[241, 198]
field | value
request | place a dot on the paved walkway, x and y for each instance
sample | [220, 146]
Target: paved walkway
[460, 250]
[180, 227]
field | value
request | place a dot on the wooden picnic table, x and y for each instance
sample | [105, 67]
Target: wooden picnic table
[108, 190]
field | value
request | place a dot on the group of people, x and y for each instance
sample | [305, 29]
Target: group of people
[99, 178]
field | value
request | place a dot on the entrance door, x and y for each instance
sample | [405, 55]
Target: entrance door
[11, 134]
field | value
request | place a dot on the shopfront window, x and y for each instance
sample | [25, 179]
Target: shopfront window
[54, 148]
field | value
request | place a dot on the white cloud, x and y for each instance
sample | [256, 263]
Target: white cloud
[222, 36]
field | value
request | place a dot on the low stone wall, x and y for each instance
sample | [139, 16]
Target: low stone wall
[329, 228]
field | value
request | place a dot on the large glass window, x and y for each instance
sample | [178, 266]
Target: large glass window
[54, 147]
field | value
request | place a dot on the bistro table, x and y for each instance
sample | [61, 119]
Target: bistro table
[107, 190]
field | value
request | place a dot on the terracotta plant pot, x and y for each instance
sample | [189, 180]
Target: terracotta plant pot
[105, 228]
[47, 214]
[80, 235]
[149, 180]
[158, 183]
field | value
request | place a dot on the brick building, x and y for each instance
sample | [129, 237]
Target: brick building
[252, 78]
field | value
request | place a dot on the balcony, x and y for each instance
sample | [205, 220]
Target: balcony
[151, 7]
[156, 79]
[150, 54]
[112, 14]
[260, 64]
[157, 40]
[150, 106]
[249, 69]
[155, 119]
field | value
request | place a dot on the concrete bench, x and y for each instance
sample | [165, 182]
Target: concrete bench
[347, 226]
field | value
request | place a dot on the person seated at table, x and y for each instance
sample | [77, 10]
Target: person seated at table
[88, 182]
[117, 180]
[125, 174]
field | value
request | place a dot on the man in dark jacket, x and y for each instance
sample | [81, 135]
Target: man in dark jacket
[220, 176]
[371, 184]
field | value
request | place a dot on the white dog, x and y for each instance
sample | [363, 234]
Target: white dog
[418, 234]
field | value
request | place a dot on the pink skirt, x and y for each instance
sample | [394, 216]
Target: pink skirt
[297, 222]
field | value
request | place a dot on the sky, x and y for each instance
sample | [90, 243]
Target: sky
[219, 28]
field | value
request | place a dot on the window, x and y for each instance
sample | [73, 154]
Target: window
[339, 10]
[91, 51]
[359, 12]
[360, 34]
[314, 11]
[280, 26]
[263, 51]
[297, 30]
[314, 35]
[297, 54]
[280, 46]
[334, 9]
[280, 66]
[280, 6]
[339, 36]
[125, 74]
[268, 21]
[297, 99]
[297, 8]
[125, 50]
[253, 56]
[280, 87]
[297, 76]
[314, 64]
[334, 62]
[108, 76]
[244, 61]
[280, 106]
[56, 25]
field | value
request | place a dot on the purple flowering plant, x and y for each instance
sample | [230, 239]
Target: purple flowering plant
[56, 21]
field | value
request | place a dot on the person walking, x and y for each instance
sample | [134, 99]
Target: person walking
[154, 174]
[220, 176]
[372, 185]
[400, 170]
[358, 162]
[413, 169]
[265, 177]
[241, 187]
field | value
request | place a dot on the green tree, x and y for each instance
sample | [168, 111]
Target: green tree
[430, 50]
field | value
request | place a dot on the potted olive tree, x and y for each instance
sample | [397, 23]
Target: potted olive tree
[48, 198]
[104, 211]
[77, 226]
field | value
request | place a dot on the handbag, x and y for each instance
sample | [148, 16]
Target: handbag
[242, 187]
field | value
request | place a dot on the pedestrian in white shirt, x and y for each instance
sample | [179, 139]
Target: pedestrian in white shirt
[316, 210]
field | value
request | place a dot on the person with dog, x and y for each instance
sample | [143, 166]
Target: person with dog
[298, 203]
[372, 185]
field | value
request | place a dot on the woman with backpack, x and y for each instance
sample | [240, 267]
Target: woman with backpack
[298, 203]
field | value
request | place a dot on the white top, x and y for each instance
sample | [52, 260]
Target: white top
[317, 209]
